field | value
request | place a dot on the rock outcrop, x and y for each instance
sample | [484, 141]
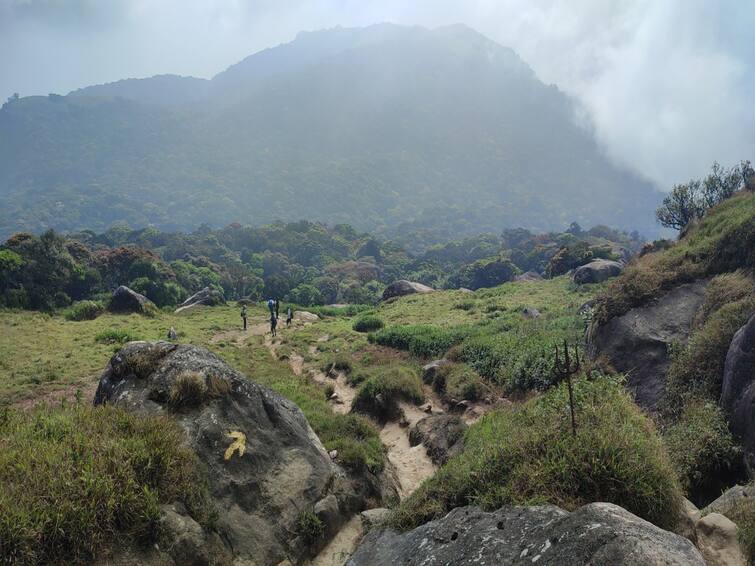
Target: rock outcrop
[739, 494]
[529, 276]
[259, 492]
[206, 297]
[441, 435]
[305, 316]
[402, 287]
[600, 534]
[738, 392]
[637, 343]
[597, 271]
[430, 371]
[126, 301]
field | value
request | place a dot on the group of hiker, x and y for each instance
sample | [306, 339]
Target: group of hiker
[273, 306]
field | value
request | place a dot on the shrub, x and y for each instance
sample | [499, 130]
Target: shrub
[528, 456]
[458, 381]
[115, 336]
[310, 527]
[368, 323]
[339, 363]
[84, 310]
[75, 478]
[703, 451]
[421, 340]
[379, 394]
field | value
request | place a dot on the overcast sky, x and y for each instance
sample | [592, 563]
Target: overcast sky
[668, 85]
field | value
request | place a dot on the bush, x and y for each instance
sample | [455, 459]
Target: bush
[310, 527]
[115, 336]
[84, 310]
[528, 456]
[76, 478]
[340, 363]
[703, 452]
[368, 323]
[457, 381]
[421, 340]
[379, 394]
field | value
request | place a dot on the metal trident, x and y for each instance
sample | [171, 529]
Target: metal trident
[564, 369]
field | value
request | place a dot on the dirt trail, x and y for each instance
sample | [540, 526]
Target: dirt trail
[342, 546]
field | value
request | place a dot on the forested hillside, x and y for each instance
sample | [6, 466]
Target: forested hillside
[388, 128]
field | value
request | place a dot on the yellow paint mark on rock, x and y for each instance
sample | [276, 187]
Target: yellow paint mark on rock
[238, 444]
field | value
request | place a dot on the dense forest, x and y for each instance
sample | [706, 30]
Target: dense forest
[303, 262]
[390, 129]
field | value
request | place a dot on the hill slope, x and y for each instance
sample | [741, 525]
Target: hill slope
[384, 127]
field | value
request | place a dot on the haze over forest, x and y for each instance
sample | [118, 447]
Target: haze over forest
[549, 116]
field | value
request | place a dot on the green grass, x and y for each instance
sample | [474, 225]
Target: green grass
[528, 456]
[703, 451]
[77, 478]
[368, 323]
[379, 393]
[723, 241]
[458, 382]
[84, 310]
[115, 336]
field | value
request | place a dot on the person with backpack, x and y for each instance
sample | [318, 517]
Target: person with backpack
[271, 306]
[289, 317]
[243, 315]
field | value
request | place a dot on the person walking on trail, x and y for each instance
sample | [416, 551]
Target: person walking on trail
[277, 308]
[243, 315]
[273, 324]
[271, 306]
[289, 317]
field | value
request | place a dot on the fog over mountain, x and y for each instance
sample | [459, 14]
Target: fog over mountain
[667, 86]
[389, 128]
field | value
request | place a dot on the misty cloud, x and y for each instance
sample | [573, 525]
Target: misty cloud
[666, 86]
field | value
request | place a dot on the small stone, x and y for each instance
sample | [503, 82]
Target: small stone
[333, 454]
[427, 408]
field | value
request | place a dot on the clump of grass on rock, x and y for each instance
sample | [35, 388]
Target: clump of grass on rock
[77, 478]
[528, 456]
[379, 394]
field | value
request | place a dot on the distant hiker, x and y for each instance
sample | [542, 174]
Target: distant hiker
[273, 324]
[271, 306]
[172, 334]
[277, 308]
[243, 315]
[289, 316]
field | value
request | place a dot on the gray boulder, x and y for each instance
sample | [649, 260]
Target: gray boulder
[529, 276]
[597, 271]
[126, 301]
[206, 297]
[637, 343]
[430, 371]
[441, 435]
[599, 534]
[530, 313]
[737, 495]
[402, 287]
[259, 494]
[738, 392]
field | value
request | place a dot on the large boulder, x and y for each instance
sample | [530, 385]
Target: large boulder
[206, 297]
[529, 276]
[637, 343]
[125, 300]
[402, 287]
[259, 494]
[599, 534]
[732, 497]
[441, 435]
[597, 271]
[738, 392]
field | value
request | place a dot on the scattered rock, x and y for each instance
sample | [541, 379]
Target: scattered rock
[284, 468]
[305, 316]
[530, 313]
[328, 511]
[206, 297]
[529, 276]
[597, 534]
[465, 290]
[333, 454]
[428, 408]
[402, 287]
[731, 497]
[125, 300]
[688, 517]
[597, 271]
[172, 334]
[718, 542]
[373, 518]
[637, 343]
[441, 435]
[185, 541]
[738, 392]
[430, 371]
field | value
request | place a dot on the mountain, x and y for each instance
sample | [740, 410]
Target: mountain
[392, 129]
